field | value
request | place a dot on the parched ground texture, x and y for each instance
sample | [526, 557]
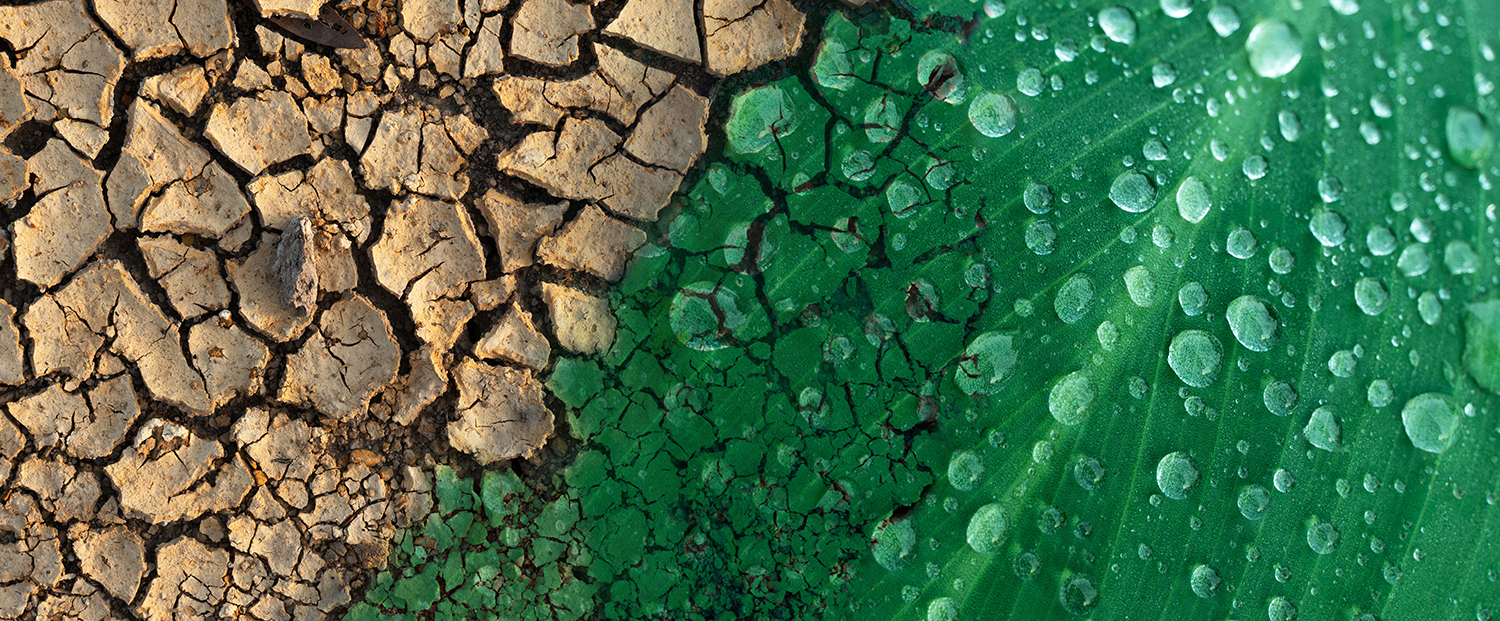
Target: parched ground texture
[255, 288]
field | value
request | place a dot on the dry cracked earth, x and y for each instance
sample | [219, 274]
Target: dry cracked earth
[254, 287]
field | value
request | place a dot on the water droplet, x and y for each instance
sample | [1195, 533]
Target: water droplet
[1460, 258]
[893, 543]
[1322, 536]
[1380, 394]
[1193, 298]
[1252, 323]
[1176, 475]
[858, 165]
[1422, 229]
[1163, 74]
[1330, 189]
[1204, 581]
[1224, 20]
[987, 361]
[702, 313]
[938, 72]
[1070, 398]
[1074, 298]
[1380, 106]
[883, 118]
[1429, 308]
[1133, 192]
[833, 67]
[1118, 24]
[1469, 137]
[1038, 198]
[1108, 335]
[1241, 243]
[1414, 260]
[993, 114]
[1283, 480]
[1140, 285]
[1280, 398]
[1381, 241]
[1342, 363]
[1431, 421]
[1255, 167]
[1323, 429]
[1079, 594]
[1026, 565]
[1066, 50]
[1041, 237]
[1253, 502]
[1291, 126]
[1371, 296]
[757, 117]
[964, 470]
[1344, 7]
[1162, 236]
[1328, 227]
[1283, 573]
[1154, 150]
[1193, 201]
[1030, 82]
[1274, 48]
[942, 609]
[1041, 452]
[987, 528]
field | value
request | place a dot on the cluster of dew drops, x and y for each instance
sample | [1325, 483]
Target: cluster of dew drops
[1273, 49]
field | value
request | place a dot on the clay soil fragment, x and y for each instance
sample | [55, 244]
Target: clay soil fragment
[188, 192]
[670, 133]
[351, 357]
[411, 151]
[68, 327]
[14, 109]
[581, 162]
[594, 243]
[69, 67]
[582, 323]
[67, 223]
[516, 339]
[619, 86]
[114, 557]
[190, 275]
[666, 26]
[155, 29]
[182, 88]
[161, 475]
[189, 584]
[501, 414]
[259, 131]
[517, 225]
[230, 360]
[743, 34]
[12, 367]
[546, 31]
[428, 254]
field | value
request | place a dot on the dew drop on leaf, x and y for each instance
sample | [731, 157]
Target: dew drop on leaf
[1224, 19]
[1088, 472]
[1281, 260]
[1041, 237]
[1431, 421]
[942, 609]
[1381, 241]
[1322, 537]
[1176, 475]
[1342, 363]
[1414, 260]
[993, 114]
[1469, 137]
[1074, 298]
[1279, 397]
[1253, 502]
[1371, 296]
[1079, 594]
[1281, 610]
[1118, 24]
[1070, 398]
[1284, 480]
[964, 470]
[1177, 9]
[1323, 429]
[1274, 48]
[987, 528]
[1460, 258]
[1252, 323]
[1193, 298]
[1379, 394]
[893, 543]
[1133, 192]
[1204, 581]
[1038, 198]
[1140, 285]
[1241, 243]
[1328, 227]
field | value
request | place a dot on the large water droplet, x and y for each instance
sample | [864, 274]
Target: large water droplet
[1193, 298]
[1280, 398]
[1414, 260]
[964, 470]
[1030, 82]
[942, 609]
[1038, 198]
[1177, 9]
[1176, 475]
[993, 114]
[987, 361]
[1321, 537]
[1241, 243]
[1088, 472]
[987, 528]
[1204, 581]
[1252, 323]
[1274, 48]
[1460, 258]
[1469, 137]
[1328, 227]
[1323, 429]
[1133, 192]
[1371, 296]
[1381, 241]
[1079, 594]
[1070, 398]
[1431, 421]
[1041, 237]
[893, 543]
[938, 73]
[1074, 298]
[1196, 357]
[1482, 342]
[1253, 502]
[1281, 610]
[1118, 24]
[1344, 7]
[1140, 285]
[1193, 201]
[1224, 19]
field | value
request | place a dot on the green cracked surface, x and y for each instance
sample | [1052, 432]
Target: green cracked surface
[872, 371]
